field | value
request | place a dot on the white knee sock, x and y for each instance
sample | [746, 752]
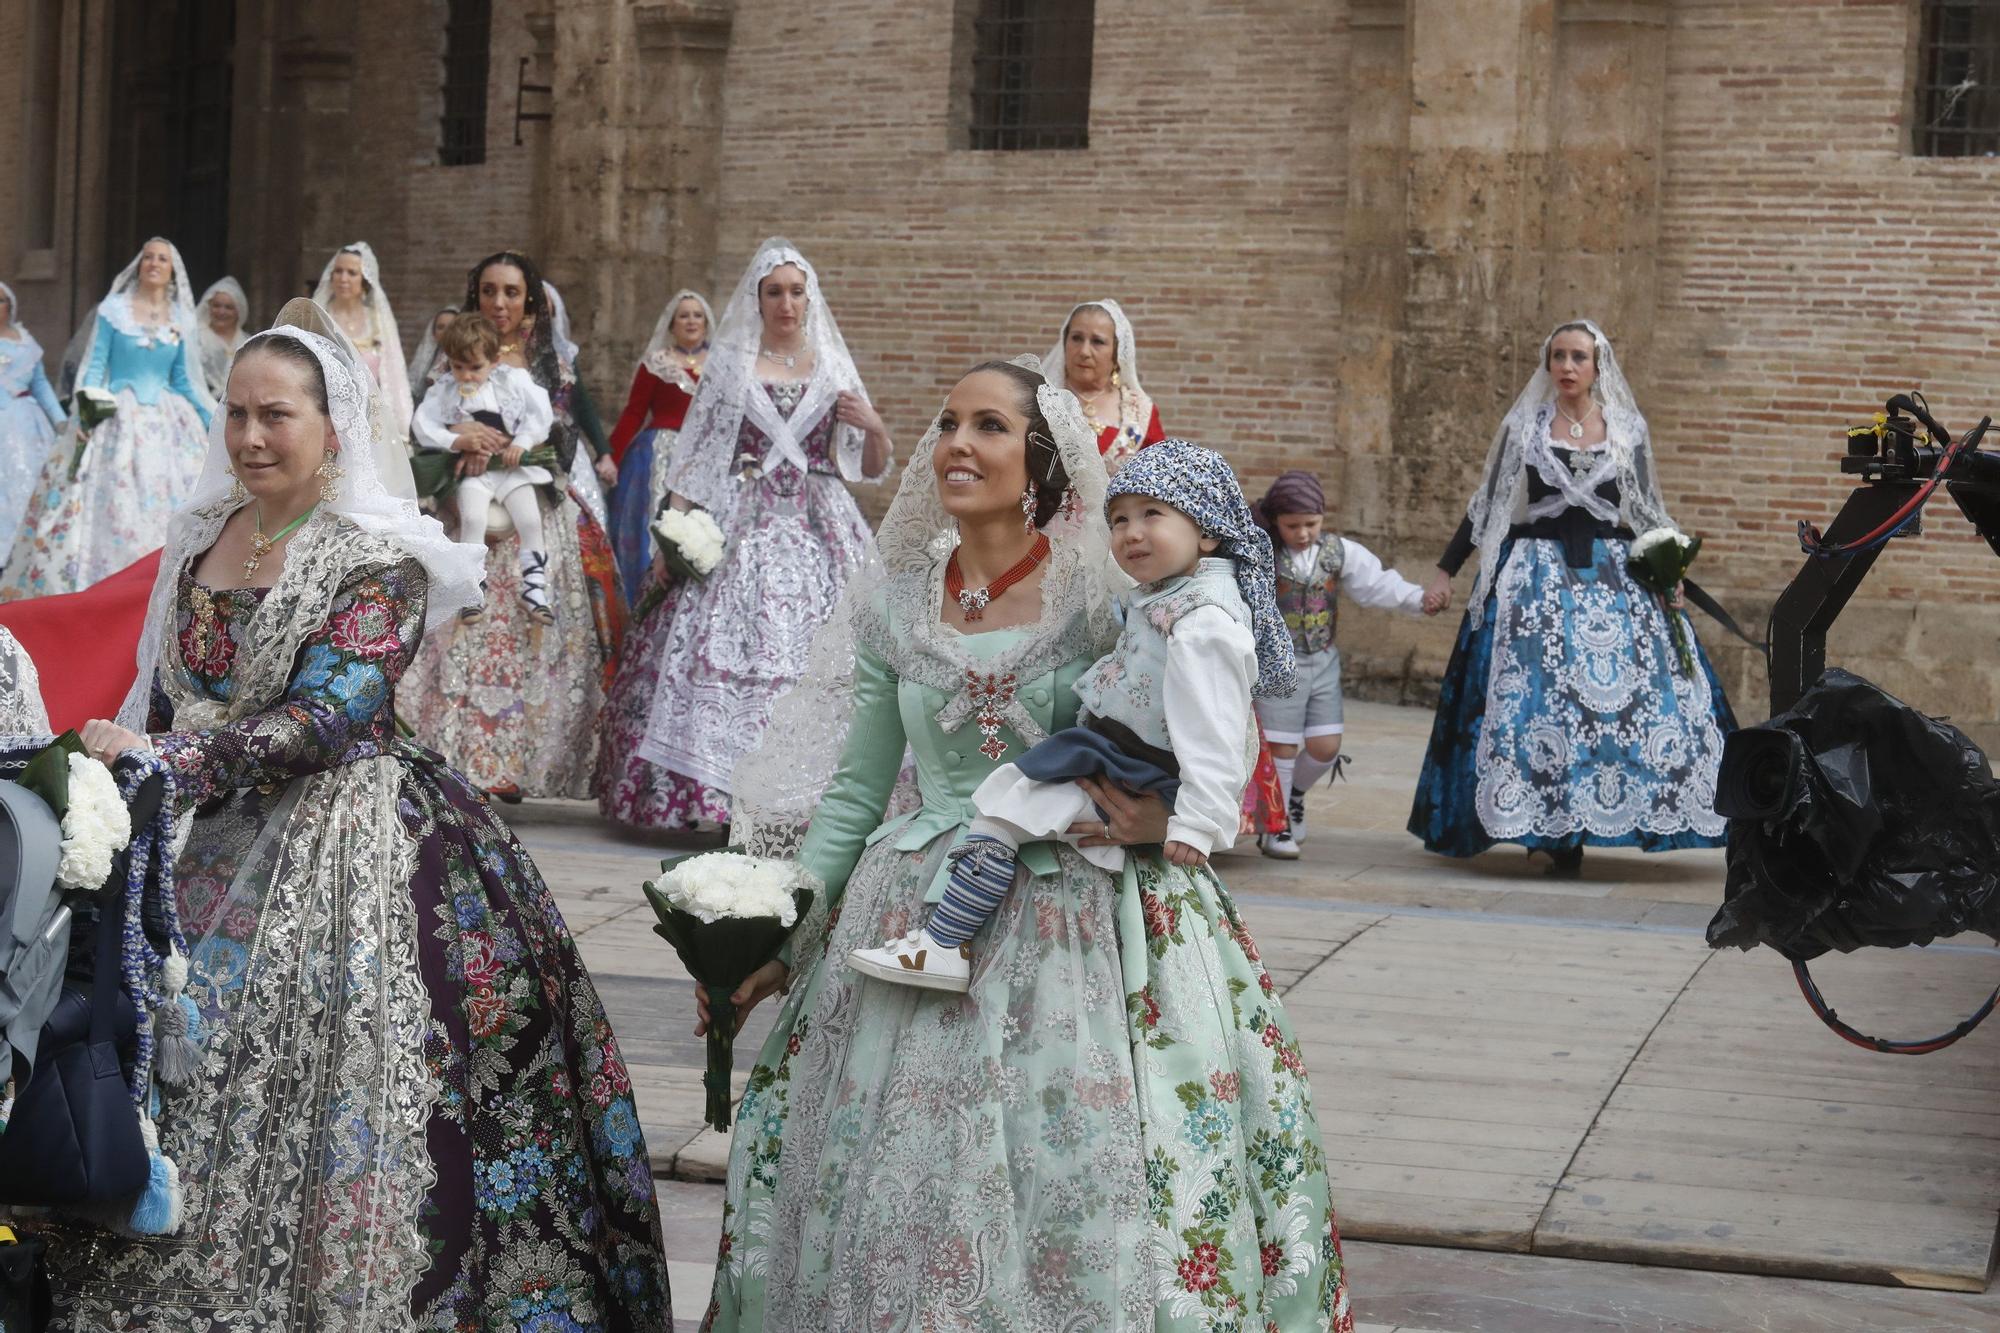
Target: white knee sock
[474, 496]
[1284, 767]
[1310, 770]
[526, 511]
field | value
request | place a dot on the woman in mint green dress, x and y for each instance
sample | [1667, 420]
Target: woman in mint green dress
[1112, 1129]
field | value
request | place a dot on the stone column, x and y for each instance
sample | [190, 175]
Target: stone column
[1505, 174]
[1604, 213]
[1374, 268]
[634, 169]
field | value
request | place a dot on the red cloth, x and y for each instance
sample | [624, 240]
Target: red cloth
[1154, 434]
[653, 402]
[1264, 806]
[85, 644]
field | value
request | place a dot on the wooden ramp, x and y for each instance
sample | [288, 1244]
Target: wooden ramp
[1746, 1136]
[1627, 1095]
[1457, 1064]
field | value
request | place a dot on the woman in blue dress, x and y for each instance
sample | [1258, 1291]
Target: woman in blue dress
[105, 495]
[29, 414]
[1565, 717]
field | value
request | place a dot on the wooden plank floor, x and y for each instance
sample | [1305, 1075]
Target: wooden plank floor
[1506, 1063]
[1458, 1064]
[1746, 1136]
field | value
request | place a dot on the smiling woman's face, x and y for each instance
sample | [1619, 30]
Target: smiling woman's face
[981, 454]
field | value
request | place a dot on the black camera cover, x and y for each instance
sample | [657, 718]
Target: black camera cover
[1856, 820]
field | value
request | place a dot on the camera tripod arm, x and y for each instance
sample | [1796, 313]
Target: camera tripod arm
[1815, 598]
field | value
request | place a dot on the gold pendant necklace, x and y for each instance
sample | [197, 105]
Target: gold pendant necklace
[260, 545]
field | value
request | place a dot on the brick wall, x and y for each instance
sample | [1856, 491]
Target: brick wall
[1805, 265]
[1810, 267]
[1208, 203]
[427, 223]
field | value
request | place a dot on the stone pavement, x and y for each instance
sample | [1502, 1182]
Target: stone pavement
[1560, 1081]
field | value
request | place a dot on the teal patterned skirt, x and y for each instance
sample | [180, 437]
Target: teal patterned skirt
[1111, 1130]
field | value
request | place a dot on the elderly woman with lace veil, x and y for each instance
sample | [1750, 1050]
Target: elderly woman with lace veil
[1096, 358]
[513, 697]
[1565, 717]
[1112, 1129]
[642, 441]
[779, 422]
[224, 313]
[350, 289]
[410, 1111]
[29, 415]
[105, 494]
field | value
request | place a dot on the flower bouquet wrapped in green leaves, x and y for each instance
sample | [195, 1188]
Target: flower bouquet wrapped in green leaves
[436, 470]
[726, 914]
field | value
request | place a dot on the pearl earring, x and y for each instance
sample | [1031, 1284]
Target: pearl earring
[1030, 499]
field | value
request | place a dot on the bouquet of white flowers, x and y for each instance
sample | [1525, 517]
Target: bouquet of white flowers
[1659, 559]
[690, 542]
[726, 914]
[96, 825]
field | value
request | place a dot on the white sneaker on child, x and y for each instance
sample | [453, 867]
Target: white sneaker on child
[917, 960]
[1279, 846]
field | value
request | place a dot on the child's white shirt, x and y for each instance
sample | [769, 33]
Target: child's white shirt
[1363, 577]
[1211, 665]
[522, 405]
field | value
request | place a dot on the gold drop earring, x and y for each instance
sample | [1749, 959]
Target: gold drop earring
[329, 475]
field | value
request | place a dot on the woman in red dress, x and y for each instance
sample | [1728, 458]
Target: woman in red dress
[1097, 359]
[662, 388]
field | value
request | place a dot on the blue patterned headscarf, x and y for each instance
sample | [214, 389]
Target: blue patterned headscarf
[1198, 482]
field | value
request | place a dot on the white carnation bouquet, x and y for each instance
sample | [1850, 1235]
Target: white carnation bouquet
[96, 825]
[726, 914]
[690, 542]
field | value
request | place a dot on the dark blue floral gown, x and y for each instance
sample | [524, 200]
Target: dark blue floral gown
[411, 1112]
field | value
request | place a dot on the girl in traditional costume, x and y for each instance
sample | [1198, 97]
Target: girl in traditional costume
[779, 423]
[105, 495]
[1112, 1129]
[1565, 717]
[29, 415]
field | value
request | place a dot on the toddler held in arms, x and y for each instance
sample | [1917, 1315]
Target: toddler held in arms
[491, 415]
[1167, 711]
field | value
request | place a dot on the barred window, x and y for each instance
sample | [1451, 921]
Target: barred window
[468, 28]
[1958, 80]
[1030, 85]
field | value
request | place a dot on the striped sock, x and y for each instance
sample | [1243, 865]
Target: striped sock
[982, 871]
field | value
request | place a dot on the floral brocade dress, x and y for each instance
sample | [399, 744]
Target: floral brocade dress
[506, 700]
[410, 1111]
[703, 666]
[1111, 1131]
